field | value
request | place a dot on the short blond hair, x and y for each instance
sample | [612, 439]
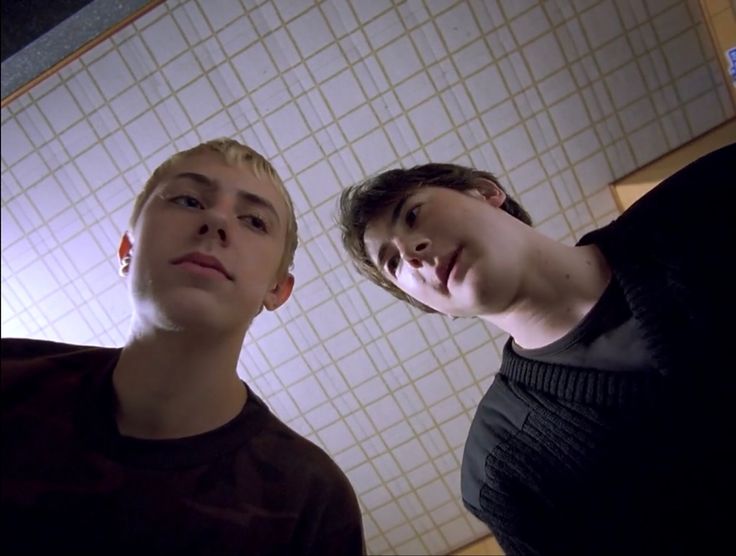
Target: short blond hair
[234, 154]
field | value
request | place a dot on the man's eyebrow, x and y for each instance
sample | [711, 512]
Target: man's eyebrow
[394, 217]
[201, 179]
[251, 198]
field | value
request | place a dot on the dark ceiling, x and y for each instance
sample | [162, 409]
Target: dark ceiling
[23, 21]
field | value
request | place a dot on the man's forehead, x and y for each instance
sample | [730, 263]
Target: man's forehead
[219, 171]
[205, 162]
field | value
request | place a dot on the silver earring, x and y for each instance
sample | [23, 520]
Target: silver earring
[124, 264]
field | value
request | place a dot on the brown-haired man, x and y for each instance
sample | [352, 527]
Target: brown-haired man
[159, 447]
[607, 429]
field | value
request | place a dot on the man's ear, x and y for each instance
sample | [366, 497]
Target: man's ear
[280, 293]
[493, 194]
[124, 253]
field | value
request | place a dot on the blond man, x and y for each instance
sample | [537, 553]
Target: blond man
[158, 446]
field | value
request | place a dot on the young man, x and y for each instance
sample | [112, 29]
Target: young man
[158, 447]
[606, 430]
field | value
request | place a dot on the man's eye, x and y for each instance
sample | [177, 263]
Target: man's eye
[187, 201]
[411, 216]
[255, 221]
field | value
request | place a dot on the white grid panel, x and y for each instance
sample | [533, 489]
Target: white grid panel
[558, 98]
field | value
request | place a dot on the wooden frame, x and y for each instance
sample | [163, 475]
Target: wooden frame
[89, 45]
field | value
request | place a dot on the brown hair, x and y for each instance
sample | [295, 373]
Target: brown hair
[361, 204]
[234, 154]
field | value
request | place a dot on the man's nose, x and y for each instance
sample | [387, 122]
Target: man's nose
[215, 223]
[416, 251]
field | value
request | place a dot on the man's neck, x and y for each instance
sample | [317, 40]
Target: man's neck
[177, 384]
[562, 285]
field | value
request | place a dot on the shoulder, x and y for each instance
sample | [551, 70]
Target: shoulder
[699, 187]
[695, 201]
[25, 359]
[296, 456]
[15, 349]
[333, 523]
[24, 348]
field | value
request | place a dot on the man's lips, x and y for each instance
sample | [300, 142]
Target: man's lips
[206, 261]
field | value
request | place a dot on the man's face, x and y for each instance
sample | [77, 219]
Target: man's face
[446, 249]
[207, 247]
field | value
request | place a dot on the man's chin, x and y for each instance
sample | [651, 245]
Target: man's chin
[195, 313]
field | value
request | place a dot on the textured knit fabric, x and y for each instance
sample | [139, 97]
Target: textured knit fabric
[570, 460]
[71, 484]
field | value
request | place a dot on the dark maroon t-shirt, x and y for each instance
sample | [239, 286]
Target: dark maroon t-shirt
[72, 484]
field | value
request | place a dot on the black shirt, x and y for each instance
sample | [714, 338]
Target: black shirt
[72, 484]
[620, 442]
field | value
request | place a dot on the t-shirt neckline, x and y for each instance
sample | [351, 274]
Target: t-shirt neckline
[98, 420]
